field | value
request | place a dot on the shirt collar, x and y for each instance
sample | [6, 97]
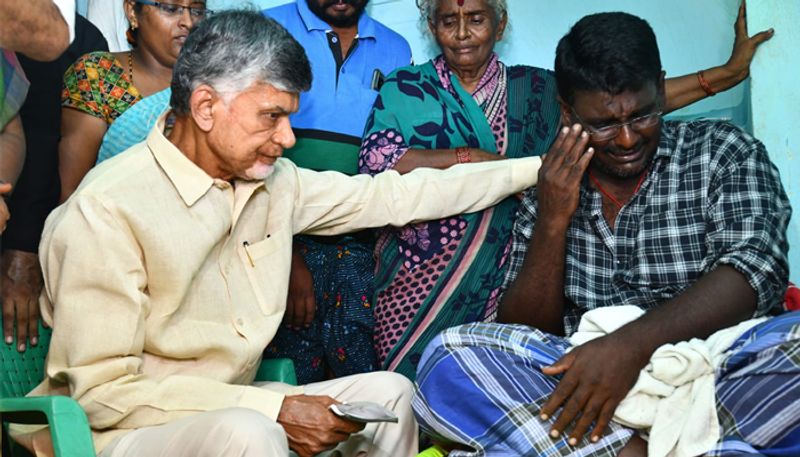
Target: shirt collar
[189, 180]
[366, 26]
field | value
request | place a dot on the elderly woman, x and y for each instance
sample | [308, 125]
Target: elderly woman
[467, 106]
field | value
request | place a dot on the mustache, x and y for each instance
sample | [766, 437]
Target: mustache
[328, 3]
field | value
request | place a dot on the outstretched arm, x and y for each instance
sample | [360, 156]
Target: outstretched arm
[687, 89]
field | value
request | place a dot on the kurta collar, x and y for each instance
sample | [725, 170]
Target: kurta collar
[189, 180]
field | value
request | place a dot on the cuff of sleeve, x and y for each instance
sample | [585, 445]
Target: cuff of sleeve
[525, 172]
[766, 298]
[265, 401]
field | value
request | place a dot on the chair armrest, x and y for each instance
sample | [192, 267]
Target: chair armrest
[69, 428]
[280, 370]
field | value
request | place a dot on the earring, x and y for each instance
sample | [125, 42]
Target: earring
[130, 34]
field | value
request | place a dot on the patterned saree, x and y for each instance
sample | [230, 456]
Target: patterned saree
[437, 274]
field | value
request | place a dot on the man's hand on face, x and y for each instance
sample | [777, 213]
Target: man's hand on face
[311, 427]
[20, 284]
[597, 377]
[558, 190]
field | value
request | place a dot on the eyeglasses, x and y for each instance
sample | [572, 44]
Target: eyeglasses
[611, 131]
[171, 9]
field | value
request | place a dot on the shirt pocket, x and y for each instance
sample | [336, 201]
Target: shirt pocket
[671, 248]
[266, 263]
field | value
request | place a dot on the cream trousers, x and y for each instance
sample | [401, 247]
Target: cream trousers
[243, 432]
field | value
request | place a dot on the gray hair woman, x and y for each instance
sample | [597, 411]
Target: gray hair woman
[465, 105]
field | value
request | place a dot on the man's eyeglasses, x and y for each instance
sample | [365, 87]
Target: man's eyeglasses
[171, 9]
[611, 131]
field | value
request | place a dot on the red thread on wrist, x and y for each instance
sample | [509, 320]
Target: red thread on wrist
[463, 155]
[704, 84]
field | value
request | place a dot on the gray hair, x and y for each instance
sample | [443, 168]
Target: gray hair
[231, 51]
[427, 9]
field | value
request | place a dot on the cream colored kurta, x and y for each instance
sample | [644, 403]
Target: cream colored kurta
[164, 286]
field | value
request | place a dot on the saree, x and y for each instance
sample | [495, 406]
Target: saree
[438, 274]
[13, 86]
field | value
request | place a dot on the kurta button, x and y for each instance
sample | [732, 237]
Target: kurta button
[240, 321]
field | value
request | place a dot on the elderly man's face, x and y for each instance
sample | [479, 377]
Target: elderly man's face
[467, 32]
[338, 13]
[251, 130]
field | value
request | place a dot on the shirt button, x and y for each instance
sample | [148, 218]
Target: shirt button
[334, 39]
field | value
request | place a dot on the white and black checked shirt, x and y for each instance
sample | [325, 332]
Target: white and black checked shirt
[712, 197]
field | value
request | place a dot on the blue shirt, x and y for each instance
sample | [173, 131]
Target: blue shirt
[343, 106]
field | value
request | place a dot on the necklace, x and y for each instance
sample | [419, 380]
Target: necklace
[608, 194]
[130, 66]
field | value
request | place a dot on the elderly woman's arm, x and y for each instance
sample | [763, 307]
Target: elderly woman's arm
[685, 90]
[441, 158]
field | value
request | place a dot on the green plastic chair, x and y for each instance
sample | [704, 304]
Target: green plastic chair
[69, 428]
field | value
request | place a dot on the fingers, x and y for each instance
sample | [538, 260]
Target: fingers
[606, 414]
[561, 365]
[761, 37]
[5, 187]
[740, 26]
[590, 411]
[33, 321]
[310, 307]
[8, 320]
[562, 392]
[288, 313]
[571, 410]
[22, 327]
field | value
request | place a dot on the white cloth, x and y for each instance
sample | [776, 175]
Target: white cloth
[674, 399]
[67, 8]
[109, 17]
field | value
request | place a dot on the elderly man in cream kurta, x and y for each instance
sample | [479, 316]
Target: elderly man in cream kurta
[166, 273]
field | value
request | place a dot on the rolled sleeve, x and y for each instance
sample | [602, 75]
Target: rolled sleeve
[748, 216]
[521, 236]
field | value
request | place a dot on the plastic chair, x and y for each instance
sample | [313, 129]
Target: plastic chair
[69, 428]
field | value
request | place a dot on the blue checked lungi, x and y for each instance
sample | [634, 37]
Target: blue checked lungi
[481, 385]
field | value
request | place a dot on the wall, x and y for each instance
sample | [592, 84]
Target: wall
[691, 35]
[776, 101]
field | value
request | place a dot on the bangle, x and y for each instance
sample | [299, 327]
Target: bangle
[704, 84]
[463, 155]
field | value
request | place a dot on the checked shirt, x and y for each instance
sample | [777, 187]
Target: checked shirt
[712, 197]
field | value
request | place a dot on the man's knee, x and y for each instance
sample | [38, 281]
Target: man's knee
[391, 383]
[245, 432]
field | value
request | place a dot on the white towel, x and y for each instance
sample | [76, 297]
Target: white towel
[674, 399]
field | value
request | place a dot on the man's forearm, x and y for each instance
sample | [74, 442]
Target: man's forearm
[536, 297]
[34, 28]
[720, 299]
